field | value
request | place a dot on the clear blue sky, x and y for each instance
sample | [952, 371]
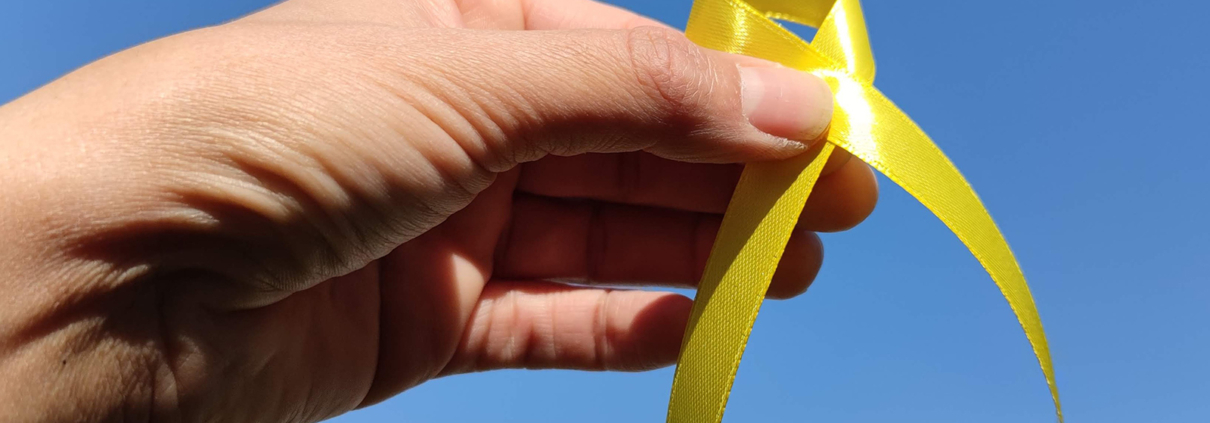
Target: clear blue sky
[1083, 126]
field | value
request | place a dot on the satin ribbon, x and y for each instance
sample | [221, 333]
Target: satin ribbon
[770, 196]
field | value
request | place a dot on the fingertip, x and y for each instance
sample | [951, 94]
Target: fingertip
[799, 265]
[785, 102]
[837, 160]
[655, 332]
[842, 200]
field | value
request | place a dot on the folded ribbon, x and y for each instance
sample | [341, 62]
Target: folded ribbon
[770, 196]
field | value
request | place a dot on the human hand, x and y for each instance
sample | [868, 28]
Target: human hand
[325, 203]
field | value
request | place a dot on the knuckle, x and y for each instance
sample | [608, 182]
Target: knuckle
[669, 67]
[629, 181]
[602, 337]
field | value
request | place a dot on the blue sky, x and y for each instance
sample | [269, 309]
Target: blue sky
[1081, 124]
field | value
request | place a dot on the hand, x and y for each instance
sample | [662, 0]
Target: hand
[323, 204]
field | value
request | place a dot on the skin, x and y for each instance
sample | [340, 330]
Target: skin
[323, 204]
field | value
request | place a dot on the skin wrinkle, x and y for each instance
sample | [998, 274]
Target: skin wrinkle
[629, 176]
[438, 353]
[474, 10]
[516, 336]
[669, 54]
[476, 112]
[540, 341]
[601, 332]
[481, 172]
[57, 262]
[485, 159]
[698, 261]
[484, 310]
[60, 317]
[484, 149]
[377, 272]
[328, 167]
[528, 8]
[493, 101]
[598, 242]
[161, 388]
[442, 14]
[84, 336]
[265, 145]
[315, 399]
[280, 279]
[503, 250]
[561, 122]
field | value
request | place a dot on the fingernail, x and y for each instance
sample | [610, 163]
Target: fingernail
[785, 102]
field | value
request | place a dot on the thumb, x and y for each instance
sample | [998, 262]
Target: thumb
[648, 88]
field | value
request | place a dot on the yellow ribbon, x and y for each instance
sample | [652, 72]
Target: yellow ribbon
[770, 196]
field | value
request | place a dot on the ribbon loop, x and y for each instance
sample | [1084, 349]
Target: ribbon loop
[770, 196]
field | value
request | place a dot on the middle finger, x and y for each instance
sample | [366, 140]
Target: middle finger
[844, 195]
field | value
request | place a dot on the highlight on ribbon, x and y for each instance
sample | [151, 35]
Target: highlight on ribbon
[770, 196]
